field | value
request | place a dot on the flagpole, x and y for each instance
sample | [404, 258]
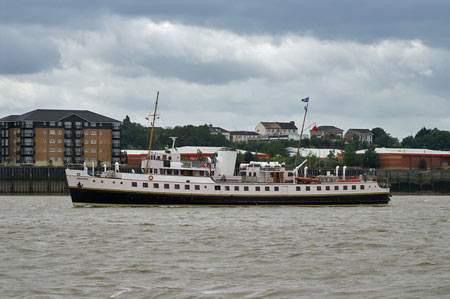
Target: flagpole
[301, 134]
[151, 135]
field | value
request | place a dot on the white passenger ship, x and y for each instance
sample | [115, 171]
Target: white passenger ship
[171, 181]
[165, 179]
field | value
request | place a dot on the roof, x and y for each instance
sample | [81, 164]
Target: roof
[279, 125]
[407, 151]
[217, 130]
[58, 115]
[361, 131]
[329, 128]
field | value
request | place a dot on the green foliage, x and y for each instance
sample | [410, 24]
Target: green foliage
[429, 138]
[371, 159]
[350, 157]
[423, 164]
[136, 136]
[248, 157]
[383, 139]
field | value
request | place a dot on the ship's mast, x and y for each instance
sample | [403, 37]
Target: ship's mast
[301, 133]
[147, 167]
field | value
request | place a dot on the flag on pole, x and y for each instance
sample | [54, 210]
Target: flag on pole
[147, 118]
[306, 100]
[314, 128]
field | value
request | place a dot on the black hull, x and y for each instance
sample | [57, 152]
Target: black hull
[103, 197]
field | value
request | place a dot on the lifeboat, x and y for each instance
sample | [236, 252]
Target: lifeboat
[306, 180]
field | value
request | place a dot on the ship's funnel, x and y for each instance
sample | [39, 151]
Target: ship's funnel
[226, 160]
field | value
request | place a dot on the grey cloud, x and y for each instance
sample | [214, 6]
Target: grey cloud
[23, 51]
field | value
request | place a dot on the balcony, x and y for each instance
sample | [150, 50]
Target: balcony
[79, 134]
[116, 135]
[5, 134]
[27, 125]
[116, 143]
[27, 134]
[68, 143]
[68, 125]
[27, 152]
[116, 153]
[116, 127]
[78, 152]
[27, 142]
[67, 152]
[67, 134]
[78, 143]
[78, 126]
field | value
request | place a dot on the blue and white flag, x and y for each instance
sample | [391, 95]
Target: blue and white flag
[306, 100]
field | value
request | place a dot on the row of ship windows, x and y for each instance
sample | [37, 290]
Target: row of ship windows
[246, 188]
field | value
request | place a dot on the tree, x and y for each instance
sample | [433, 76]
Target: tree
[383, 139]
[248, 157]
[371, 159]
[350, 157]
[423, 164]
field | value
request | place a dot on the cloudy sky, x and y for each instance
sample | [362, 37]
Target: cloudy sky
[232, 64]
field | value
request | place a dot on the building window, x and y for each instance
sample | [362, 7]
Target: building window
[100, 132]
[93, 141]
[155, 185]
[217, 188]
[145, 185]
[59, 132]
[45, 132]
[197, 187]
[52, 124]
[133, 184]
[297, 188]
[93, 132]
[59, 150]
[166, 186]
[52, 140]
[86, 132]
[92, 124]
[52, 132]
[93, 150]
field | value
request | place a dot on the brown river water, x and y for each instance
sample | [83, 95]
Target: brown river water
[48, 249]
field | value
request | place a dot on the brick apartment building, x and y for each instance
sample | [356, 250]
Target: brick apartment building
[59, 136]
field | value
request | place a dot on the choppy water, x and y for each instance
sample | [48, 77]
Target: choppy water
[50, 250]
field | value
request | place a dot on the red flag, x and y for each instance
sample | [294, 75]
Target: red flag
[314, 128]
[147, 118]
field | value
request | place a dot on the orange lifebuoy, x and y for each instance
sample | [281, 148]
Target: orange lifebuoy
[150, 178]
[269, 181]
